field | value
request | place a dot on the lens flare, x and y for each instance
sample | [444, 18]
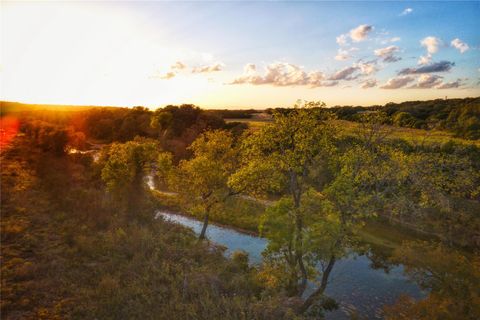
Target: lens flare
[9, 126]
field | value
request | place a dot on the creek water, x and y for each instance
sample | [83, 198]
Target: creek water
[354, 283]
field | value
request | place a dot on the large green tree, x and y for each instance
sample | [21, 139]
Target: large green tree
[202, 181]
[281, 157]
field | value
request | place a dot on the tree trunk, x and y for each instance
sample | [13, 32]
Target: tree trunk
[204, 228]
[299, 251]
[297, 194]
[319, 292]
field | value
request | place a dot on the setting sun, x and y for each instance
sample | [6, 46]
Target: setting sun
[158, 53]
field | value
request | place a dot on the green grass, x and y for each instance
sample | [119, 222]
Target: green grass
[415, 136]
[238, 213]
[385, 235]
[253, 124]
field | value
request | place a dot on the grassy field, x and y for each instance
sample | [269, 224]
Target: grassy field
[254, 124]
[409, 134]
[416, 136]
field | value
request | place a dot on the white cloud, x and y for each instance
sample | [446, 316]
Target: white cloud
[357, 34]
[360, 33]
[390, 40]
[178, 66]
[388, 53]
[342, 55]
[342, 39]
[168, 75]
[450, 85]
[426, 59]
[460, 45]
[406, 11]
[397, 82]
[283, 74]
[366, 68]
[426, 81]
[209, 68]
[345, 74]
[431, 44]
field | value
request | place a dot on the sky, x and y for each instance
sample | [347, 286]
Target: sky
[238, 54]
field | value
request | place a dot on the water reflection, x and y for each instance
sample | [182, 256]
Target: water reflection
[355, 282]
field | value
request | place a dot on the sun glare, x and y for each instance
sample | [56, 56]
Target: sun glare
[152, 54]
[87, 54]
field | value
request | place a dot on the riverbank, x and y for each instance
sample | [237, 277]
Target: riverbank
[67, 255]
[243, 214]
[359, 284]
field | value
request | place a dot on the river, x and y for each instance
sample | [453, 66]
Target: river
[354, 283]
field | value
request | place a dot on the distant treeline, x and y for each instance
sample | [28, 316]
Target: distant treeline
[176, 127]
[234, 114]
[460, 116]
[182, 124]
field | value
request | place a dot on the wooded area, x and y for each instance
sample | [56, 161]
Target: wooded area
[80, 238]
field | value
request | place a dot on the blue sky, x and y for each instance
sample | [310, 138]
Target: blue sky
[239, 54]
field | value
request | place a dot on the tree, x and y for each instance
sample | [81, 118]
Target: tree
[324, 243]
[452, 280]
[280, 157]
[125, 166]
[202, 180]
[403, 119]
[373, 130]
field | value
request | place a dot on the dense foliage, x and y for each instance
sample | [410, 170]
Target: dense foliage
[460, 116]
[67, 253]
[80, 238]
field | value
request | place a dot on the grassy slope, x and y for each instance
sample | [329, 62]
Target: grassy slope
[60, 260]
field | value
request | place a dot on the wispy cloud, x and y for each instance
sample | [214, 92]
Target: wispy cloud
[345, 54]
[406, 11]
[342, 55]
[178, 66]
[397, 82]
[168, 75]
[459, 45]
[450, 85]
[342, 39]
[388, 53]
[369, 83]
[209, 68]
[345, 74]
[441, 66]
